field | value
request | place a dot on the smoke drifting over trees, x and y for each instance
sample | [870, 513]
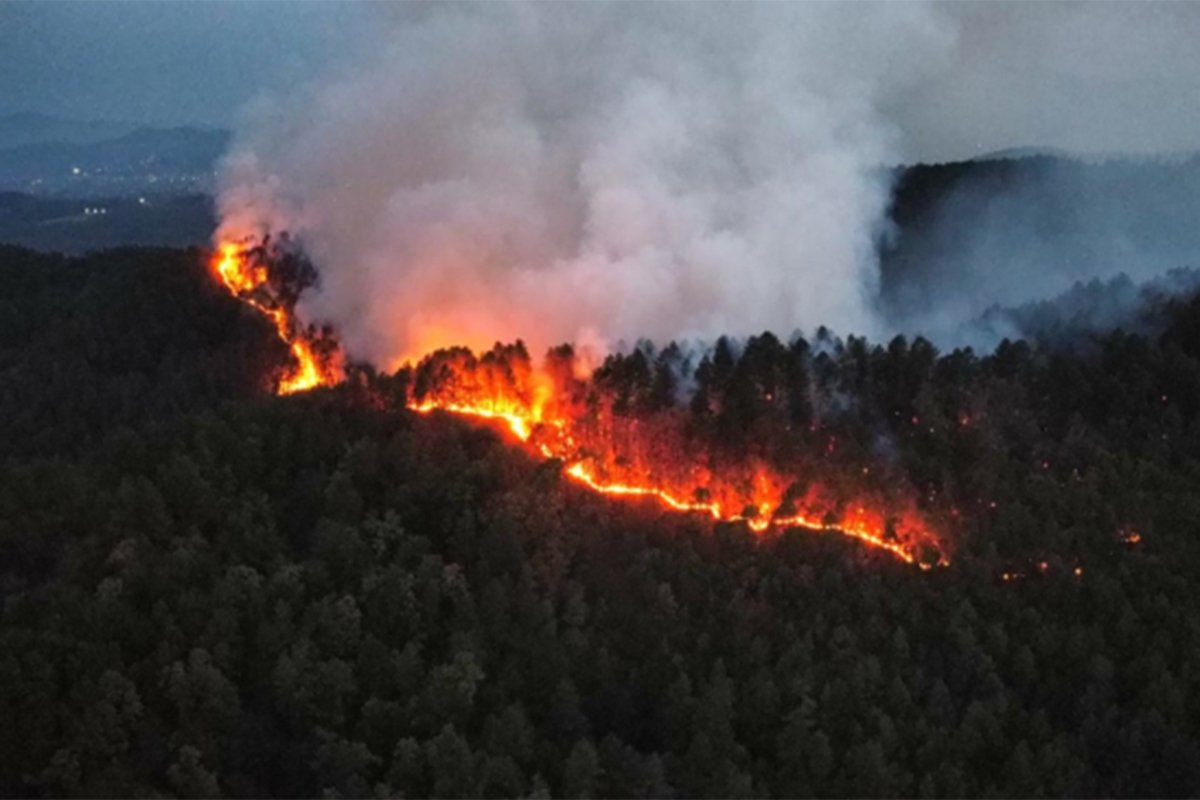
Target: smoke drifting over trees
[578, 173]
[1007, 232]
[599, 174]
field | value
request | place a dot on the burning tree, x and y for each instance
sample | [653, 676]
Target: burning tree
[622, 434]
[744, 449]
[270, 276]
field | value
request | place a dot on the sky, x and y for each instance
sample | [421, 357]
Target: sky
[1086, 77]
[167, 62]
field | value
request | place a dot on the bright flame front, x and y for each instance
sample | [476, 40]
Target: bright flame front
[507, 389]
[250, 282]
[557, 436]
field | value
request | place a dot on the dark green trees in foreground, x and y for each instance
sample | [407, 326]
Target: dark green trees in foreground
[209, 590]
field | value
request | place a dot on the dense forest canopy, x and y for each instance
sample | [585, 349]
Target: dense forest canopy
[211, 590]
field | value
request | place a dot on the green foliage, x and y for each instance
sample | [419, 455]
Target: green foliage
[211, 591]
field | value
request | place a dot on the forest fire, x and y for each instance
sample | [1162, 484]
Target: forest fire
[650, 456]
[244, 272]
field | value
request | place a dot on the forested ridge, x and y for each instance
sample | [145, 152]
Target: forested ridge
[210, 590]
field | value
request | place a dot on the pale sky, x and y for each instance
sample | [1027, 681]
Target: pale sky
[166, 62]
[1085, 77]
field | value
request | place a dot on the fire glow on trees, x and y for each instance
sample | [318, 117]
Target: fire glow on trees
[555, 415]
[245, 273]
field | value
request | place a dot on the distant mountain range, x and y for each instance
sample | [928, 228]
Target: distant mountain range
[46, 155]
[19, 129]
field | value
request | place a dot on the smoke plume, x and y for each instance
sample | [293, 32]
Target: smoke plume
[599, 173]
[592, 173]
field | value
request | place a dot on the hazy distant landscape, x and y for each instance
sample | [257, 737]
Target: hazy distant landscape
[73, 186]
[49, 156]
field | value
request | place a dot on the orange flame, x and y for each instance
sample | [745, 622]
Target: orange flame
[249, 283]
[1129, 535]
[546, 429]
[526, 402]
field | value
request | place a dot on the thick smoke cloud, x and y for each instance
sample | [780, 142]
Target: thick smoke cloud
[1088, 78]
[600, 173]
[594, 173]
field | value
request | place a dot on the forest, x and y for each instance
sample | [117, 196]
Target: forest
[211, 590]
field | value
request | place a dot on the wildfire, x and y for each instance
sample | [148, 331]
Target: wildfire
[610, 454]
[249, 281]
[756, 496]
[858, 529]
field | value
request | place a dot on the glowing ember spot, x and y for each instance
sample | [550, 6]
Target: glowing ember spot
[249, 282]
[1129, 536]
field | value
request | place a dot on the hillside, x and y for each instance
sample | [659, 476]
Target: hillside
[1013, 231]
[210, 590]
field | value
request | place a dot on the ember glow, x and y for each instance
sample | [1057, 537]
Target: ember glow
[639, 458]
[1129, 535]
[249, 280]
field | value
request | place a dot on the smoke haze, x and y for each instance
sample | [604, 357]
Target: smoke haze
[599, 173]
[1008, 232]
[596, 172]
[1086, 78]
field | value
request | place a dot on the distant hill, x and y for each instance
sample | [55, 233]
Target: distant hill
[143, 159]
[1011, 153]
[970, 235]
[27, 128]
[1075, 318]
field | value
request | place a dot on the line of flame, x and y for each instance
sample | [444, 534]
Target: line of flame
[243, 280]
[522, 427]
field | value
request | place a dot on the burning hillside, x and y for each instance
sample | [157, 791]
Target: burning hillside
[269, 278]
[622, 432]
[656, 450]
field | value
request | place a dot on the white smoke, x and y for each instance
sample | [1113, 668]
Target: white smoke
[599, 172]
[1112, 78]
